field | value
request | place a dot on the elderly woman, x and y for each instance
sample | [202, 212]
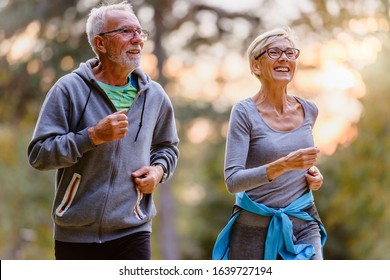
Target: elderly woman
[269, 163]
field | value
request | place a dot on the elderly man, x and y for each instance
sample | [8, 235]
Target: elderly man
[110, 133]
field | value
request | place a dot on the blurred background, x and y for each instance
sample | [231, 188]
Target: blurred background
[197, 52]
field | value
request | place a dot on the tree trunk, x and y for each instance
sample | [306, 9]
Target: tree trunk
[166, 228]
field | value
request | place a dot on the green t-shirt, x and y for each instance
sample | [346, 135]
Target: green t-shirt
[122, 97]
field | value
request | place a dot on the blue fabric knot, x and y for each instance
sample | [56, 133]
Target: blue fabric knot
[280, 233]
[279, 213]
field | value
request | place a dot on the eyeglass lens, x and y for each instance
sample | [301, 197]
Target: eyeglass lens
[128, 32]
[276, 53]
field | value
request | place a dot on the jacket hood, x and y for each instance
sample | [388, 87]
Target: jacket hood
[85, 72]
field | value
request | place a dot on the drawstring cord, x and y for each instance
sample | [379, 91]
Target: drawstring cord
[142, 117]
[85, 106]
[86, 103]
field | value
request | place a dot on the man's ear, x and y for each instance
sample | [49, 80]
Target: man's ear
[99, 43]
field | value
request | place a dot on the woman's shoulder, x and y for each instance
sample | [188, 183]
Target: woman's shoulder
[308, 105]
[242, 109]
[244, 103]
[306, 102]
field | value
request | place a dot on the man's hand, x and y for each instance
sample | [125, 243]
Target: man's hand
[147, 178]
[111, 128]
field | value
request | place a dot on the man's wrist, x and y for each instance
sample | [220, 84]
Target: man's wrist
[165, 172]
[92, 136]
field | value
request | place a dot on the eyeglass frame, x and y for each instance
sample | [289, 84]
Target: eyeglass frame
[282, 51]
[122, 29]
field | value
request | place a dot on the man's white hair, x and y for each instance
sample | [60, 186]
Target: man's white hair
[96, 19]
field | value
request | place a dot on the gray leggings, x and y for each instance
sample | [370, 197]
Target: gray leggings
[250, 230]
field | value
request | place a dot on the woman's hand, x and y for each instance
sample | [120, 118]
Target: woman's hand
[301, 159]
[314, 178]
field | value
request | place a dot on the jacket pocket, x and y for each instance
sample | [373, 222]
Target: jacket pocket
[69, 195]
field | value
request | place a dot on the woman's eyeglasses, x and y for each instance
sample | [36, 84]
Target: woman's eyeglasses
[275, 53]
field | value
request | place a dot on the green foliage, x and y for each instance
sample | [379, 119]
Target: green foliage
[203, 201]
[25, 200]
[39, 35]
[354, 198]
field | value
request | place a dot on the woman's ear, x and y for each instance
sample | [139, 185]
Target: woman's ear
[99, 43]
[256, 67]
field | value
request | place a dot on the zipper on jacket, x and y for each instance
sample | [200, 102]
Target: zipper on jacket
[114, 171]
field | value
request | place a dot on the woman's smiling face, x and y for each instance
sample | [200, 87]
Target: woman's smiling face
[277, 70]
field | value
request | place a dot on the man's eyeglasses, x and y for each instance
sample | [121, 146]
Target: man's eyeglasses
[128, 33]
[276, 53]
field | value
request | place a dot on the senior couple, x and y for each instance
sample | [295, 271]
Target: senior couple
[109, 132]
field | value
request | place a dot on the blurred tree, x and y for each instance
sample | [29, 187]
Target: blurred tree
[25, 199]
[355, 195]
[40, 41]
[353, 200]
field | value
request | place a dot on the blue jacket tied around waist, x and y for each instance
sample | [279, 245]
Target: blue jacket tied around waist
[279, 235]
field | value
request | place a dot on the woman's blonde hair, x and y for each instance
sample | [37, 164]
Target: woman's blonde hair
[262, 41]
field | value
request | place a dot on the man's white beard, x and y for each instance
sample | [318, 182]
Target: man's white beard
[124, 61]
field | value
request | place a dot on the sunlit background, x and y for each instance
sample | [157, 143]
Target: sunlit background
[197, 52]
